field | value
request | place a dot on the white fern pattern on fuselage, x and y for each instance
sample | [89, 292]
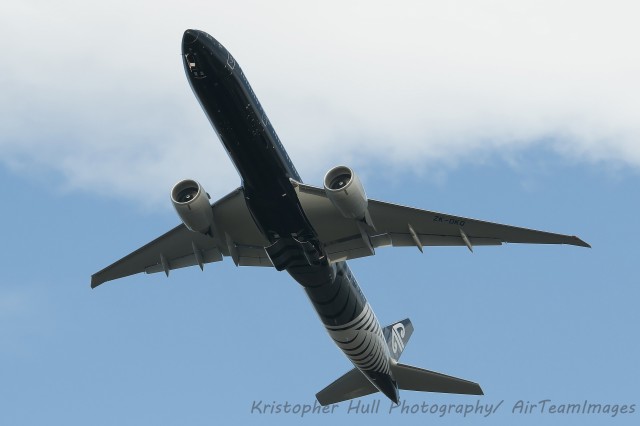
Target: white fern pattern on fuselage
[362, 342]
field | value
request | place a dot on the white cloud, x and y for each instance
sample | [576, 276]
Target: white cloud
[96, 92]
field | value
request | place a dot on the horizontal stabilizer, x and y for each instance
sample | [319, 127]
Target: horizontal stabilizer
[353, 384]
[417, 379]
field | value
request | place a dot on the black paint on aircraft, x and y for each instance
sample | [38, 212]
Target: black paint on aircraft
[275, 220]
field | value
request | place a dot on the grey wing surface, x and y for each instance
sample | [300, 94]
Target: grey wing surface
[235, 235]
[395, 225]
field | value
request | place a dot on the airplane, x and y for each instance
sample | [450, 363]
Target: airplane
[275, 220]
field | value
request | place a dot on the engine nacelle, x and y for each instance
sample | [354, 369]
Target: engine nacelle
[344, 189]
[192, 204]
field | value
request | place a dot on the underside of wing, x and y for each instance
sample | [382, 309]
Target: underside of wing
[177, 248]
[235, 234]
[435, 228]
[395, 225]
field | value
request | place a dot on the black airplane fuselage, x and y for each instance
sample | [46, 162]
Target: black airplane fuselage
[267, 173]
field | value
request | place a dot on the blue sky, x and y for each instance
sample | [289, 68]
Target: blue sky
[94, 133]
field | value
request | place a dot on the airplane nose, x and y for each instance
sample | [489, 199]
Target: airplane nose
[190, 36]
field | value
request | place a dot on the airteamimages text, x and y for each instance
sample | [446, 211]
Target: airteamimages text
[477, 408]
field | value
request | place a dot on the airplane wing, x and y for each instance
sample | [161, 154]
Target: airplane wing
[395, 225]
[235, 235]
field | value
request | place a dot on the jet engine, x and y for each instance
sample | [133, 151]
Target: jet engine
[192, 204]
[344, 189]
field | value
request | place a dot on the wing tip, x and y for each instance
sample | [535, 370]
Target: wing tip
[322, 400]
[95, 281]
[479, 390]
[579, 242]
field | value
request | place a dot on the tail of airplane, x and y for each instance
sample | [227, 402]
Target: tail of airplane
[397, 336]
[417, 379]
[354, 384]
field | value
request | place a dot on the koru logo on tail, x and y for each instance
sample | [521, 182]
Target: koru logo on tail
[397, 334]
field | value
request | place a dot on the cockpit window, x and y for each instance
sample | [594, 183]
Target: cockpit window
[191, 61]
[195, 70]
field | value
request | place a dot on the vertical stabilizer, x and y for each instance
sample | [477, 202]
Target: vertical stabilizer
[397, 336]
